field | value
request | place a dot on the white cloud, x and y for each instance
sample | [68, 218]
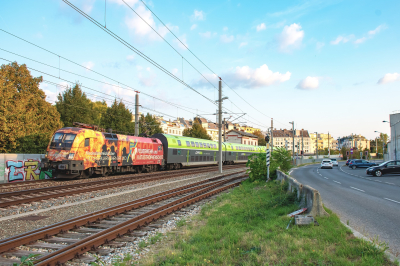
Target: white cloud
[198, 15]
[319, 45]
[225, 28]
[291, 37]
[261, 27]
[242, 44]
[309, 83]
[88, 65]
[342, 39]
[130, 58]
[175, 71]
[226, 39]
[206, 34]
[194, 26]
[389, 77]
[377, 30]
[360, 40]
[249, 78]
[148, 79]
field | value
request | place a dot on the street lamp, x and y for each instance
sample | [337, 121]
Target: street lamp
[293, 140]
[395, 138]
[383, 145]
[316, 144]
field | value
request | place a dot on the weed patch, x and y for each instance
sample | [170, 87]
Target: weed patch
[248, 227]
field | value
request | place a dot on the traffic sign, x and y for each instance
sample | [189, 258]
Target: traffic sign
[351, 150]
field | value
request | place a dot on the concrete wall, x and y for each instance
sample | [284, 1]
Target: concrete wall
[308, 196]
[21, 167]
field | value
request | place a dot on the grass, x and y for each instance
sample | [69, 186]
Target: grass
[248, 227]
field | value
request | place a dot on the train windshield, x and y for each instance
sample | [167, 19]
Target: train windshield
[62, 141]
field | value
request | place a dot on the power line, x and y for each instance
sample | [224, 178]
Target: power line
[129, 46]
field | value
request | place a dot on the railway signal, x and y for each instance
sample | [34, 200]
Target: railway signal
[268, 155]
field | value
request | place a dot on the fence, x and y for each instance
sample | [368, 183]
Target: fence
[21, 167]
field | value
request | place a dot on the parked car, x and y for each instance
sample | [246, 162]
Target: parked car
[348, 161]
[326, 163]
[360, 163]
[334, 162]
[390, 167]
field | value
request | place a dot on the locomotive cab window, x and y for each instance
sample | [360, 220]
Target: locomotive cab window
[87, 142]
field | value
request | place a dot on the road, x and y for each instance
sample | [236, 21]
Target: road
[371, 205]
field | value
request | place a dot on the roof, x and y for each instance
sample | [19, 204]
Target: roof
[242, 133]
[289, 133]
[212, 126]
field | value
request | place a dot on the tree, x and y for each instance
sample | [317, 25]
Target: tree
[261, 138]
[99, 110]
[148, 125]
[197, 131]
[384, 137]
[119, 118]
[74, 106]
[25, 116]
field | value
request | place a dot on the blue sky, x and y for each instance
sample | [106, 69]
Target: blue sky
[327, 65]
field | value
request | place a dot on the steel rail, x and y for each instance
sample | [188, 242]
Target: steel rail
[92, 242]
[85, 189]
[45, 232]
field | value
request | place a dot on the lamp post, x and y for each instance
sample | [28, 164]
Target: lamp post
[316, 144]
[395, 137]
[383, 145]
[292, 140]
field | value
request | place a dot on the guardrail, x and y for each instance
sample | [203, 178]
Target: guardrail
[308, 196]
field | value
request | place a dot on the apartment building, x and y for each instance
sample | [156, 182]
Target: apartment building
[284, 138]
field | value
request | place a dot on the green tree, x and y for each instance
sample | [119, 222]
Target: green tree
[384, 137]
[25, 116]
[261, 138]
[148, 125]
[197, 131]
[74, 106]
[99, 110]
[118, 118]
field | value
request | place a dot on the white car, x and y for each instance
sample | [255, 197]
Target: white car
[335, 162]
[326, 163]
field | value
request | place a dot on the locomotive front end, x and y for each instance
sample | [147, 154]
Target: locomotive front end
[61, 156]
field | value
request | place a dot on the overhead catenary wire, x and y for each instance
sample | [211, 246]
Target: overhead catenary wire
[129, 46]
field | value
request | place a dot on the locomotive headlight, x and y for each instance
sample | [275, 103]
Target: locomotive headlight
[71, 156]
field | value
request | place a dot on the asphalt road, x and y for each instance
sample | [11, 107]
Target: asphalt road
[371, 205]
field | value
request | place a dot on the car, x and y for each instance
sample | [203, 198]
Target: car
[360, 163]
[390, 167]
[334, 162]
[348, 161]
[326, 163]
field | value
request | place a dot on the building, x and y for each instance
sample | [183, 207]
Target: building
[324, 141]
[236, 136]
[283, 138]
[353, 141]
[174, 127]
[394, 146]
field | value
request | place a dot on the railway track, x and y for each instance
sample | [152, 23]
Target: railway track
[19, 186]
[100, 231]
[9, 199]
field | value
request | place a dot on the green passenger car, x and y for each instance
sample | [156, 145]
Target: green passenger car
[180, 151]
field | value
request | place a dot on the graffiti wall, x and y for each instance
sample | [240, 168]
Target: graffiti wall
[22, 167]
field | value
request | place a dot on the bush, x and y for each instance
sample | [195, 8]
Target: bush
[258, 168]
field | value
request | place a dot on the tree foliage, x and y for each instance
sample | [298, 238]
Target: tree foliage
[148, 125]
[74, 106]
[261, 138]
[119, 118]
[280, 158]
[25, 116]
[197, 131]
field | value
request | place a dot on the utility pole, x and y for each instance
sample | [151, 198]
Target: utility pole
[219, 126]
[224, 129]
[329, 146]
[137, 114]
[302, 146]
[292, 141]
[316, 144]
[272, 134]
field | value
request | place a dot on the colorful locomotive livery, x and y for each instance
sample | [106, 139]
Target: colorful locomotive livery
[82, 152]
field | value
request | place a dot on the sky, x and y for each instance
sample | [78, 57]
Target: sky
[329, 66]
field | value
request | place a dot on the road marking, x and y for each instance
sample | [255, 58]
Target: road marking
[326, 177]
[392, 200]
[389, 183]
[378, 181]
[369, 178]
[357, 189]
[336, 182]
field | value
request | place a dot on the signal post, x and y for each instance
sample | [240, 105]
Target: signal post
[268, 155]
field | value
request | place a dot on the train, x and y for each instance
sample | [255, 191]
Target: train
[85, 151]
